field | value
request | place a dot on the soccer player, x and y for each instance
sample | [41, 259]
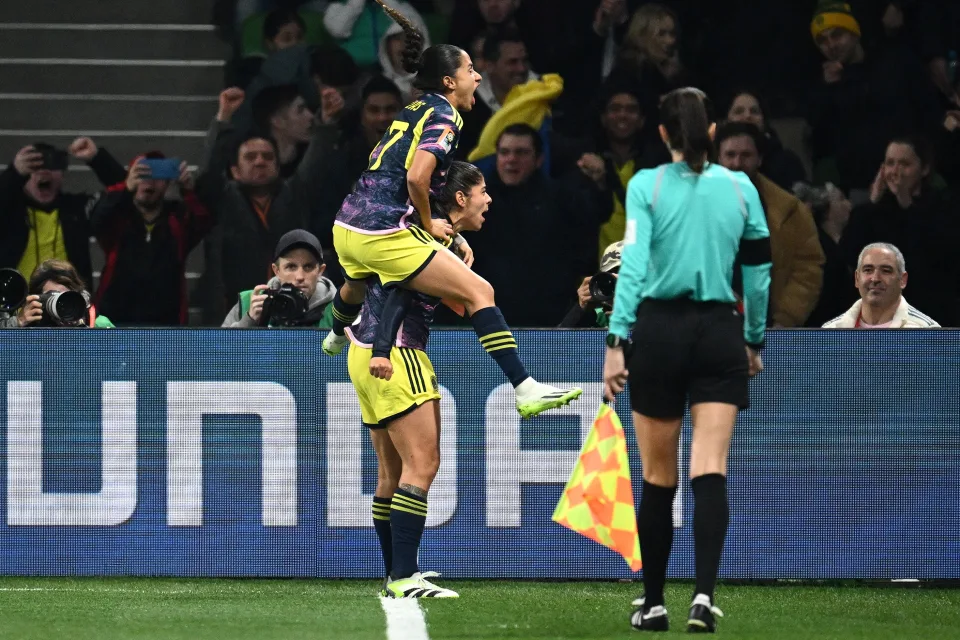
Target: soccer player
[385, 228]
[399, 400]
[686, 223]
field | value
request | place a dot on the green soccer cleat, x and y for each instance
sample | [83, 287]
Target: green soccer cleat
[533, 398]
[423, 574]
[334, 344]
[417, 587]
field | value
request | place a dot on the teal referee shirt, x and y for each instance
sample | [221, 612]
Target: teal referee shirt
[684, 232]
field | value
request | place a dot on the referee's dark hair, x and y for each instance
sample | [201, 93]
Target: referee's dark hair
[685, 117]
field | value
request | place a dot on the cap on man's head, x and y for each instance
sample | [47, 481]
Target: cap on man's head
[298, 239]
[831, 14]
[611, 257]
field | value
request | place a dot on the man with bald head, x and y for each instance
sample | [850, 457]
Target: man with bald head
[881, 277]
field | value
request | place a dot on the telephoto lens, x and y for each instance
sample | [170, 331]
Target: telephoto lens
[63, 308]
[602, 286]
[13, 290]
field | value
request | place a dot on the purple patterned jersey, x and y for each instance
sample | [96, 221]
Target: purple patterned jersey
[380, 203]
[415, 328]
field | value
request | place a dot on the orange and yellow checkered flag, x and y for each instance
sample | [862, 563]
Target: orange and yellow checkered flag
[598, 499]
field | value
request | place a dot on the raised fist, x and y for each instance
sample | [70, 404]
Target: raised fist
[230, 101]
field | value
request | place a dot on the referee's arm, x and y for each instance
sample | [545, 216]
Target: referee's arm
[755, 263]
[633, 266]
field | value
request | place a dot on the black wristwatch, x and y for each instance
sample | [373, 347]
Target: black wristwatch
[615, 341]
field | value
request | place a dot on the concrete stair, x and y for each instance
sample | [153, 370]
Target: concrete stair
[134, 76]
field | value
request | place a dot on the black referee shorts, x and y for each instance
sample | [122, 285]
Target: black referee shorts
[683, 350]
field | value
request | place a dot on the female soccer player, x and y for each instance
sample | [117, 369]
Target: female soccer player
[686, 223]
[385, 228]
[399, 400]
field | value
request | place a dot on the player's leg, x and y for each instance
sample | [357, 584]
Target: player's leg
[658, 441]
[416, 437]
[389, 467]
[718, 390]
[446, 276]
[657, 366]
[349, 298]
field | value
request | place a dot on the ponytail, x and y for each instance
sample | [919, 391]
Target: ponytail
[412, 39]
[461, 177]
[430, 66]
[685, 116]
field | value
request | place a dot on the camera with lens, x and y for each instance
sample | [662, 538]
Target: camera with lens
[285, 306]
[13, 290]
[63, 309]
[602, 287]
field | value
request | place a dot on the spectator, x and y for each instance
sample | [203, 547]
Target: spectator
[905, 209]
[563, 217]
[390, 56]
[864, 100]
[358, 24]
[147, 240]
[650, 54]
[620, 153]
[538, 21]
[283, 113]
[881, 277]
[595, 301]
[797, 274]
[298, 262]
[780, 165]
[55, 276]
[381, 102]
[38, 221]
[831, 212]
[256, 207]
[282, 29]
[592, 34]
[506, 65]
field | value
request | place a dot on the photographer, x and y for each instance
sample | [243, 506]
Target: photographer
[595, 295]
[297, 296]
[57, 298]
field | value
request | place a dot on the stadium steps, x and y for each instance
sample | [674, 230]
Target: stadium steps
[133, 76]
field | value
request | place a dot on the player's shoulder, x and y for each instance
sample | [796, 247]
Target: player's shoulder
[739, 178]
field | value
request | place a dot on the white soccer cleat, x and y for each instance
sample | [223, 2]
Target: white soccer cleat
[533, 398]
[417, 587]
[334, 344]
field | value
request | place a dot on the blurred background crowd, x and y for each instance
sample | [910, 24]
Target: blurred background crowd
[846, 117]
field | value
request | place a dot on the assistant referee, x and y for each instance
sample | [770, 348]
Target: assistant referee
[687, 222]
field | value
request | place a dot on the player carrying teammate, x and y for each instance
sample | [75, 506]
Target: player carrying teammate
[385, 227]
[399, 400]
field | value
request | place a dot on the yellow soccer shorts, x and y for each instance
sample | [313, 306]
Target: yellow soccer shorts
[393, 257]
[413, 383]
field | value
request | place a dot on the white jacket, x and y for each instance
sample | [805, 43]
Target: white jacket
[906, 317]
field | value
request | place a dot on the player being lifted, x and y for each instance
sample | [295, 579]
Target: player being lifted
[385, 227]
[399, 399]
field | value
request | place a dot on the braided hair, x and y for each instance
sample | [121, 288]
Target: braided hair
[432, 65]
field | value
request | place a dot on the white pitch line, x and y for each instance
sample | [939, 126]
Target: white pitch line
[107, 590]
[405, 619]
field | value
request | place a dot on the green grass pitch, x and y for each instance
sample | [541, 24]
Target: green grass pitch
[197, 609]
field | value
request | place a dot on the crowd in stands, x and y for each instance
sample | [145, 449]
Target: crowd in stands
[845, 116]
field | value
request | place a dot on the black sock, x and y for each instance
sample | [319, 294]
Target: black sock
[711, 514]
[381, 522]
[496, 339]
[655, 527]
[408, 515]
[343, 314]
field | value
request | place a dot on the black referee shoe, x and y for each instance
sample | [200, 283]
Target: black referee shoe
[649, 618]
[703, 615]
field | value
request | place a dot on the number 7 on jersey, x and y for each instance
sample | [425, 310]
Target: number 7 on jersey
[398, 128]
